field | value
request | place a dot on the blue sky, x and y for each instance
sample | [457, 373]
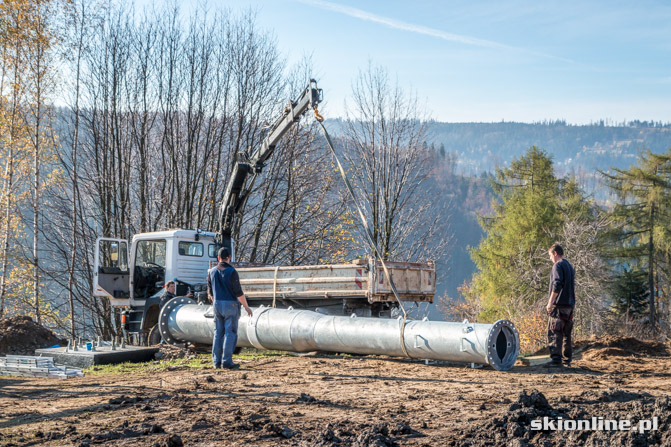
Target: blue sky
[487, 60]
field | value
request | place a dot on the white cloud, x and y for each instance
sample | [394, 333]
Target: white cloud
[419, 29]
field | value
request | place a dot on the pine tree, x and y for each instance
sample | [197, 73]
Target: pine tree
[642, 215]
[630, 292]
[523, 222]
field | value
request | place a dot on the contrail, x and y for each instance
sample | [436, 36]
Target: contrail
[419, 29]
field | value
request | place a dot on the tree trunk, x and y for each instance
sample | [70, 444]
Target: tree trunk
[651, 267]
[9, 171]
[36, 227]
[75, 147]
[9, 174]
[36, 188]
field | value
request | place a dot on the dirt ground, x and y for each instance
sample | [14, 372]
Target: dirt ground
[342, 400]
[20, 335]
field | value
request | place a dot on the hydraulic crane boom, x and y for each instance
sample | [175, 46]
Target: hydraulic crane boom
[247, 163]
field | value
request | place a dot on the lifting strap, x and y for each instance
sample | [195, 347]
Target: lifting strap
[277, 269]
[367, 232]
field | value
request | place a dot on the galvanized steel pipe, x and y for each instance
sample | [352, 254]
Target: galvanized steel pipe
[303, 331]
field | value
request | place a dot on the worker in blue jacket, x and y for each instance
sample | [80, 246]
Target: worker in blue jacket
[223, 287]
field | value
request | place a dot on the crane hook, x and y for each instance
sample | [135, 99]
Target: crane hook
[318, 117]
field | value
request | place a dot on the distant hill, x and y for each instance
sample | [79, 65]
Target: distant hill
[484, 146]
[581, 150]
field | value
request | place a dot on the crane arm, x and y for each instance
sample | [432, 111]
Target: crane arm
[246, 163]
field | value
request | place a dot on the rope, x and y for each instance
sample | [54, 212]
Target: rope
[277, 268]
[369, 235]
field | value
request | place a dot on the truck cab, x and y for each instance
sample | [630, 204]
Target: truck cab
[133, 280]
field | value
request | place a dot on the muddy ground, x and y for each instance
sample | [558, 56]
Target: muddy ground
[341, 400]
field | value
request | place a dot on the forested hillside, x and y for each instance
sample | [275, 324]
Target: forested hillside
[575, 148]
[482, 147]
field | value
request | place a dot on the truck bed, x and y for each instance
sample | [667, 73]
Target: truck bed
[362, 279]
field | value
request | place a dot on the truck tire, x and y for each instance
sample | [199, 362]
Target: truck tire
[154, 336]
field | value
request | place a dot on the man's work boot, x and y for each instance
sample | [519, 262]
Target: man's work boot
[232, 366]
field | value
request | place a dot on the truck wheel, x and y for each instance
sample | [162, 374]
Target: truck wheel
[154, 336]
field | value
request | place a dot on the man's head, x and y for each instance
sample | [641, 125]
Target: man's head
[556, 252]
[170, 286]
[224, 255]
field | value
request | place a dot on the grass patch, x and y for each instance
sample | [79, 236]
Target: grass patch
[202, 360]
[255, 354]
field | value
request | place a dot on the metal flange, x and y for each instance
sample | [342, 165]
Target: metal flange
[512, 345]
[167, 312]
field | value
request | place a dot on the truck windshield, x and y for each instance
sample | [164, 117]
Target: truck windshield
[150, 253]
[149, 271]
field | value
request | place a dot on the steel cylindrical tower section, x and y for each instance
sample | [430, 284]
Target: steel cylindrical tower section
[181, 320]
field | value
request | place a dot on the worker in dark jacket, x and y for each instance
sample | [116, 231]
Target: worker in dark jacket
[169, 293]
[223, 287]
[561, 302]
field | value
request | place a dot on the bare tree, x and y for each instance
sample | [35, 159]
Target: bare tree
[583, 245]
[41, 61]
[142, 114]
[81, 17]
[151, 133]
[257, 88]
[390, 166]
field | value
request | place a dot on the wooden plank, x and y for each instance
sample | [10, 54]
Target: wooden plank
[535, 360]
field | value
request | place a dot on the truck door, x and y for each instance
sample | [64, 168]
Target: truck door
[110, 270]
